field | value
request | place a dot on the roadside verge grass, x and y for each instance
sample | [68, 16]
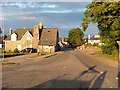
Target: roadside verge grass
[13, 54]
[99, 53]
[35, 56]
[6, 63]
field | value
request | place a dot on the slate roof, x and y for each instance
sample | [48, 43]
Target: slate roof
[48, 36]
[92, 38]
[20, 33]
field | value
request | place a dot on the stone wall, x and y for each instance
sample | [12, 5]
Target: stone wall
[46, 49]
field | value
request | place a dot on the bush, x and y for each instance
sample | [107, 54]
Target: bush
[43, 53]
[115, 53]
[16, 51]
[107, 49]
[9, 51]
[95, 44]
[39, 53]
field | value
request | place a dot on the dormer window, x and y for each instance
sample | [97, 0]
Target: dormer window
[13, 37]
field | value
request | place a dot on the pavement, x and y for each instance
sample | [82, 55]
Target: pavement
[67, 69]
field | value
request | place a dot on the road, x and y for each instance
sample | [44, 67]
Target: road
[68, 69]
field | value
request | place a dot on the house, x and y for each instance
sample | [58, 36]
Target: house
[40, 38]
[63, 42]
[95, 39]
[1, 44]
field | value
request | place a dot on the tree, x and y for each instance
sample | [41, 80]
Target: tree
[107, 16]
[75, 37]
[3, 37]
[0, 30]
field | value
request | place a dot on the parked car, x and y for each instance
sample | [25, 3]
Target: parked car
[28, 50]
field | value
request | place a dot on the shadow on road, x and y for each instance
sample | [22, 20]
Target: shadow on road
[84, 80]
[99, 81]
[6, 56]
[67, 49]
[90, 69]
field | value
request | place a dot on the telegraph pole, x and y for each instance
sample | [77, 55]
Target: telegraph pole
[119, 65]
[119, 50]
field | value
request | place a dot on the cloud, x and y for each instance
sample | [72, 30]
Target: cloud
[63, 11]
[16, 4]
[2, 18]
[44, 11]
[27, 18]
[56, 11]
[29, 4]
[49, 5]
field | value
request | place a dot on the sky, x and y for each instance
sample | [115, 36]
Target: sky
[61, 15]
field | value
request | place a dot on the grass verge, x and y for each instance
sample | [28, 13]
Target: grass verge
[13, 53]
[34, 56]
[6, 63]
[37, 55]
[106, 56]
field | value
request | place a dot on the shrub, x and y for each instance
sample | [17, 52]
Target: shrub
[95, 44]
[9, 51]
[115, 53]
[16, 51]
[107, 49]
[43, 53]
[39, 53]
[4, 51]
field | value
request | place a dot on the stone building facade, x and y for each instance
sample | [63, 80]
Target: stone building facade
[40, 38]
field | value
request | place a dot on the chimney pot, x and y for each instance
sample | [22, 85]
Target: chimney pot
[10, 31]
[25, 28]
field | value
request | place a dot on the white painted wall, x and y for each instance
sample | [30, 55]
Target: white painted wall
[13, 37]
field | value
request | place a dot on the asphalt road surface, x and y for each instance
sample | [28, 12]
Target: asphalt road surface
[69, 69]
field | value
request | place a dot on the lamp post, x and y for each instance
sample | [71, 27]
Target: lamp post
[119, 66]
[119, 50]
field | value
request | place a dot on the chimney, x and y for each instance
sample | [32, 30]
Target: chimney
[63, 39]
[10, 33]
[36, 31]
[88, 36]
[25, 28]
[41, 25]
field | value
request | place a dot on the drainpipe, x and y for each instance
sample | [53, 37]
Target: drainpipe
[119, 66]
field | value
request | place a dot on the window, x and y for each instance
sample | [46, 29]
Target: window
[28, 38]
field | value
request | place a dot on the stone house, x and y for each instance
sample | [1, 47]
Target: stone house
[63, 42]
[40, 38]
[94, 39]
